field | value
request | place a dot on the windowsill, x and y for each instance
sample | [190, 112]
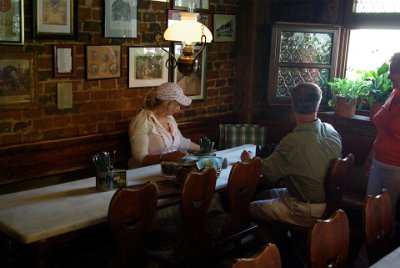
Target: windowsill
[354, 118]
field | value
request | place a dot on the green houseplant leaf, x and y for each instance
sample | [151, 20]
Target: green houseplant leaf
[379, 84]
[345, 87]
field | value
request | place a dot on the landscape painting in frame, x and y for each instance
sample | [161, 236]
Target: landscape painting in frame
[17, 80]
[147, 66]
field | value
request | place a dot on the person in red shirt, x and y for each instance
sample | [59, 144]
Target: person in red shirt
[383, 163]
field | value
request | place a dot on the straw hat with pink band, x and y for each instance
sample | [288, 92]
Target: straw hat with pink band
[171, 91]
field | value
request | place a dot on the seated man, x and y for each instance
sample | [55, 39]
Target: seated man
[302, 160]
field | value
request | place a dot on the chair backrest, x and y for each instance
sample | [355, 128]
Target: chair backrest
[197, 191]
[269, 257]
[242, 184]
[335, 183]
[377, 225]
[232, 135]
[130, 214]
[328, 241]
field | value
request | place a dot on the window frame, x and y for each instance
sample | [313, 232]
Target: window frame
[274, 64]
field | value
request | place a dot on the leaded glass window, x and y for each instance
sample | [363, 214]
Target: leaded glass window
[376, 6]
[304, 55]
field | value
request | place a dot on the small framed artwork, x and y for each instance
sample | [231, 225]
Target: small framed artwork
[103, 61]
[120, 18]
[55, 19]
[194, 85]
[18, 83]
[224, 28]
[64, 60]
[191, 4]
[146, 66]
[174, 16]
[12, 22]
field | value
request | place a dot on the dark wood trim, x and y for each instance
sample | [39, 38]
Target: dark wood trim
[42, 163]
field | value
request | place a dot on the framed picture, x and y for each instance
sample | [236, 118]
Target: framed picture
[120, 18]
[57, 19]
[146, 66]
[64, 60]
[12, 22]
[195, 4]
[18, 83]
[174, 16]
[194, 85]
[224, 28]
[103, 61]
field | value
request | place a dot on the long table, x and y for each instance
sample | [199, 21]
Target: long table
[390, 260]
[38, 214]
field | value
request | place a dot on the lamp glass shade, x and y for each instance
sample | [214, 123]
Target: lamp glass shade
[188, 30]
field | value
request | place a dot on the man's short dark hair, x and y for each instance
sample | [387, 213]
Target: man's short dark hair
[306, 98]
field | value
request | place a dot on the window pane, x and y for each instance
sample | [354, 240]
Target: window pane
[369, 49]
[288, 77]
[376, 6]
[302, 47]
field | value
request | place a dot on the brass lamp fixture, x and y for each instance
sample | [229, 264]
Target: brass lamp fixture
[190, 32]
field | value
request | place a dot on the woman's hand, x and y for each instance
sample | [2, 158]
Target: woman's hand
[174, 156]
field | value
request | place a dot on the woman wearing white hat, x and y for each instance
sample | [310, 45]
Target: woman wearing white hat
[154, 134]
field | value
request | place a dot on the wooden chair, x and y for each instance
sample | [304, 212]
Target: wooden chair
[268, 257]
[130, 215]
[377, 225]
[236, 222]
[174, 244]
[335, 183]
[328, 241]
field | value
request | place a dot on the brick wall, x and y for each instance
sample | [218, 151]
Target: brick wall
[102, 106]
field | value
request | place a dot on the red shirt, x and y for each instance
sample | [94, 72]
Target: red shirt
[387, 122]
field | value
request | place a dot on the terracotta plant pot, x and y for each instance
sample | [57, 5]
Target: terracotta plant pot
[344, 107]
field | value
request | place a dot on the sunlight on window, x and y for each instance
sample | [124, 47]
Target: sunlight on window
[376, 6]
[369, 49]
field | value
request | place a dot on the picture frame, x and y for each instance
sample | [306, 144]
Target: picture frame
[174, 16]
[55, 19]
[146, 66]
[197, 4]
[64, 60]
[103, 61]
[224, 29]
[18, 86]
[120, 18]
[12, 24]
[194, 85]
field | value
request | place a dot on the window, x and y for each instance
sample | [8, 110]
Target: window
[303, 54]
[376, 6]
[370, 48]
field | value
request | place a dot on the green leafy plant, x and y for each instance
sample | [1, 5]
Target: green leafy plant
[379, 85]
[347, 88]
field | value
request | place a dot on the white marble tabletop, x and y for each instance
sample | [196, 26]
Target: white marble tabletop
[41, 213]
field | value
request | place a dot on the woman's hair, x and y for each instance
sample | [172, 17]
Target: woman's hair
[151, 101]
[395, 62]
[306, 98]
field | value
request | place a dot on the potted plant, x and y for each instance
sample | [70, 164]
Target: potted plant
[379, 87]
[345, 95]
